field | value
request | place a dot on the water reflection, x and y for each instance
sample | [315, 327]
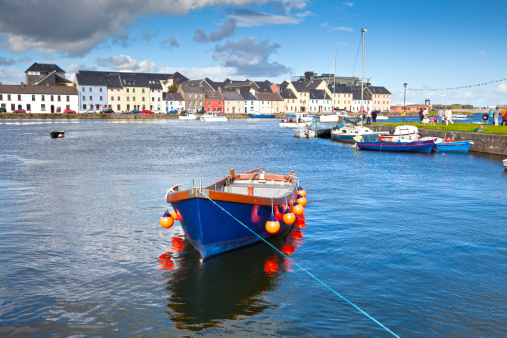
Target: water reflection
[203, 295]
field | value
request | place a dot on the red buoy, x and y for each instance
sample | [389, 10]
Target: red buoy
[166, 221]
[174, 215]
[272, 225]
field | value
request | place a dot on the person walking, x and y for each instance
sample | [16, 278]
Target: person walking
[495, 116]
[448, 116]
[374, 116]
[421, 115]
[441, 115]
[368, 116]
[504, 116]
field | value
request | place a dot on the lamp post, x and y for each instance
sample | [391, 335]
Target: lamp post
[404, 99]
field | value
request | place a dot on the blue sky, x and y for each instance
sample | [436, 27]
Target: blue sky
[427, 44]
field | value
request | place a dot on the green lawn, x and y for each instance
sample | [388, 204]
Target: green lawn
[457, 127]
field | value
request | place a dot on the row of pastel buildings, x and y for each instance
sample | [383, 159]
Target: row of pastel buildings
[48, 91]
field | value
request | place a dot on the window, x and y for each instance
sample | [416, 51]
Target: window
[91, 98]
[100, 90]
[118, 98]
[143, 98]
[84, 89]
[43, 107]
[84, 106]
[143, 90]
[19, 97]
[133, 90]
[59, 98]
[68, 98]
[127, 88]
[53, 98]
[153, 99]
[100, 98]
[9, 97]
[90, 89]
[118, 107]
[128, 106]
[33, 97]
[13, 106]
[42, 98]
[1, 97]
[159, 99]
[128, 98]
[133, 98]
[84, 98]
[67, 106]
[112, 98]
[28, 107]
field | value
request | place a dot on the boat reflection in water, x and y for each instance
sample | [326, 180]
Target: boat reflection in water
[204, 295]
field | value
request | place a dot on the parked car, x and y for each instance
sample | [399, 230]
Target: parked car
[20, 111]
[146, 112]
[107, 111]
[3, 110]
[135, 112]
[69, 111]
[174, 111]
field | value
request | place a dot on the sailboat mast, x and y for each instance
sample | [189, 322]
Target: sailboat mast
[362, 70]
[334, 79]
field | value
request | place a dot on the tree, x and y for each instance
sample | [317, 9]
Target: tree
[173, 88]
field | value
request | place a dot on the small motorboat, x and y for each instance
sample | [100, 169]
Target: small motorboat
[57, 134]
[214, 117]
[505, 164]
[305, 132]
[459, 116]
[189, 116]
[401, 133]
[210, 216]
[296, 121]
[410, 146]
[382, 117]
[348, 132]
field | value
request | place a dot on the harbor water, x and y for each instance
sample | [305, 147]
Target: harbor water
[417, 241]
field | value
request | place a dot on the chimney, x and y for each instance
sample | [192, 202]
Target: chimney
[252, 91]
[220, 90]
[237, 90]
[47, 84]
[22, 85]
[278, 89]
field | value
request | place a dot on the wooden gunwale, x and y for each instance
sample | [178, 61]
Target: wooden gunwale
[236, 198]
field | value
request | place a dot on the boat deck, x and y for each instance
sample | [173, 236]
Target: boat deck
[260, 188]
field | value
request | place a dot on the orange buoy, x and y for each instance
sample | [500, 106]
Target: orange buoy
[302, 200]
[272, 225]
[298, 209]
[166, 221]
[174, 215]
[289, 217]
[302, 192]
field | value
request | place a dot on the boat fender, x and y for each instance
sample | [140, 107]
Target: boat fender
[390, 140]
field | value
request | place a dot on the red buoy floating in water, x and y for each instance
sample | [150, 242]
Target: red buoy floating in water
[166, 221]
[174, 215]
[298, 209]
[272, 225]
[289, 217]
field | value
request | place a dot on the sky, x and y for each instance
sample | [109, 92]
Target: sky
[433, 46]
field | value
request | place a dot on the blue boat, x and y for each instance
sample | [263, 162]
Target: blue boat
[456, 146]
[412, 146]
[262, 116]
[209, 216]
[347, 134]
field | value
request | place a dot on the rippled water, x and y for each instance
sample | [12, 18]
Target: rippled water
[418, 241]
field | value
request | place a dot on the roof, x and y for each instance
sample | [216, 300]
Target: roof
[90, 78]
[247, 96]
[113, 81]
[286, 93]
[44, 67]
[264, 86]
[214, 96]
[268, 96]
[192, 90]
[301, 87]
[378, 90]
[319, 95]
[341, 89]
[172, 97]
[232, 96]
[33, 89]
[51, 78]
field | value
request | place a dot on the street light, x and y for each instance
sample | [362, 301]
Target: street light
[404, 99]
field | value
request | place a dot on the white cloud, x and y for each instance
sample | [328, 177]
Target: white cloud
[348, 4]
[345, 29]
[502, 88]
[482, 53]
[12, 75]
[249, 18]
[92, 21]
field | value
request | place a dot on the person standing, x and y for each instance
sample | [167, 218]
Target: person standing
[368, 116]
[420, 115]
[491, 113]
[495, 116]
[504, 116]
[448, 116]
[374, 116]
[441, 115]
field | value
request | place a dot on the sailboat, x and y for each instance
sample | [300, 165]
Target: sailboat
[349, 132]
[335, 116]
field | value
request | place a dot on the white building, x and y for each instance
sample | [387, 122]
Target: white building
[39, 99]
[320, 102]
[251, 104]
[173, 101]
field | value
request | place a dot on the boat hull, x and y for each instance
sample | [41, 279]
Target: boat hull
[212, 231]
[350, 138]
[323, 133]
[262, 116]
[54, 134]
[414, 146]
[460, 146]
[214, 118]
[294, 124]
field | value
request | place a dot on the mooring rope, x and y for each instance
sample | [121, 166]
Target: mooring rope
[299, 266]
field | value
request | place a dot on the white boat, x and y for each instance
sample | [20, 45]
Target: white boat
[305, 131]
[214, 117]
[189, 116]
[401, 134]
[459, 116]
[382, 117]
[332, 118]
[505, 164]
[299, 120]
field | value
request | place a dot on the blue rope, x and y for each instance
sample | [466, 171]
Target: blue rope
[299, 266]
